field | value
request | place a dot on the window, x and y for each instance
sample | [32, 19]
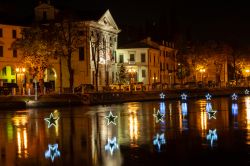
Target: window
[81, 53]
[121, 58]
[15, 53]
[1, 51]
[143, 57]
[13, 34]
[1, 32]
[44, 15]
[143, 73]
[132, 57]
[13, 71]
[4, 71]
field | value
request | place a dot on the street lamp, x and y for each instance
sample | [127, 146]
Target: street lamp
[20, 71]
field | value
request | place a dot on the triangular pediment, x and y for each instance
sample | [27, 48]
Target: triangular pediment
[107, 20]
[44, 6]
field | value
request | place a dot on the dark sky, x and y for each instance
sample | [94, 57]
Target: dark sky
[203, 19]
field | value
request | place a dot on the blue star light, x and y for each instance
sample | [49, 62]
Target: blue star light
[235, 109]
[162, 95]
[111, 145]
[234, 97]
[212, 136]
[111, 118]
[159, 140]
[246, 92]
[208, 106]
[52, 152]
[183, 96]
[51, 120]
[211, 114]
[208, 96]
[158, 116]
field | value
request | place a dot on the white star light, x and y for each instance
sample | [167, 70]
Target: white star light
[111, 145]
[183, 96]
[162, 95]
[51, 120]
[246, 92]
[234, 97]
[159, 140]
[211, 114]
[158, 116]
[52, 152]
[208, 96]
[212, 136]
[111, 118]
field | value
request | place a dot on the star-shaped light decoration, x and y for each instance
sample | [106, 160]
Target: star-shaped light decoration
[111, 145]
[111, 118]
[158, 116]
[183, 96]
[159, 140]
[246, 92]
[51, 120]
[52, 152]
[234, 97]
[162, 95]
[211, 114]
[208, 96]
[212, 136]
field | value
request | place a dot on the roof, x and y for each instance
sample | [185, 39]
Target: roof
[136, 45]
[15, 20]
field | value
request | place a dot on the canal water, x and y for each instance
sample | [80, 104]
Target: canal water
[139, 133]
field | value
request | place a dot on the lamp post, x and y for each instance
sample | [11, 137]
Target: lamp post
[20, 71]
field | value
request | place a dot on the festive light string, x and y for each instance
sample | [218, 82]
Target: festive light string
[51, 120]
[52, 152]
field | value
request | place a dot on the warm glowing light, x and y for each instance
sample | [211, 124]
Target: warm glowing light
[203, 120]
[22, 143]
[133, 126]
[247, 70]
[202, 70]
[52, 152]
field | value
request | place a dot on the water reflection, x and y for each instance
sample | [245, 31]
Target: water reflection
[52, 152]
[235, 114]
[212, 136]
[83, 136]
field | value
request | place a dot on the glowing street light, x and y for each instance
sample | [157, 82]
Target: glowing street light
[20, 71]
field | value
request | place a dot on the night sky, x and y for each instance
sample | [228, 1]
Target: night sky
[196, 20]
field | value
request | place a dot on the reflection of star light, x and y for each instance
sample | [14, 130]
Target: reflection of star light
[234, 97]
[162, 95]
[159, 140]
[51, 120]
[212, 136]
[235, 109]
[159, 116]
[52, 152]
[111, 145]
[246, 92]
[111, 118]
[211, 114]
[208, 106]
[183, 96]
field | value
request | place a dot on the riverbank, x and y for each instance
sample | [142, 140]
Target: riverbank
[56, 100]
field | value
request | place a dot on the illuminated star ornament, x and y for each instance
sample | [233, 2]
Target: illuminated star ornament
[159, 116]
[111, 118]
[159, 140]
[211, 114]
[234, 97]
[212, 136]
[51, 120]
[52, 152]
[162, 95]
[208, 96]
[246, 92]
[183, 96]
[111, 145]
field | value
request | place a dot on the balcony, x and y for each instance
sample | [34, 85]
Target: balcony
[131, 62]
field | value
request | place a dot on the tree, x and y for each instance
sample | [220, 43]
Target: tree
[122, 75]
[36, 50]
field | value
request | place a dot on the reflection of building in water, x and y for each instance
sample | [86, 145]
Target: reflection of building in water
[20, 123]
[247, 101]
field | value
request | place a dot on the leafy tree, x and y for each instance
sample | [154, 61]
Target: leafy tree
[122, 75]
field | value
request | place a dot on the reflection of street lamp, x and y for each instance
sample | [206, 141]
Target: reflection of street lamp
[131, 72]
[20, 71]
